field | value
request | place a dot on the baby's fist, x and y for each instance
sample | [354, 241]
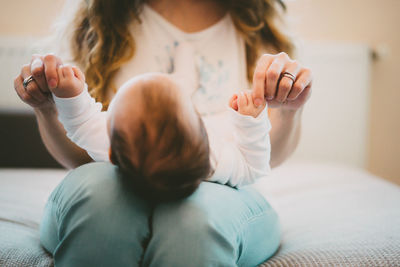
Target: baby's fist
[243, 103]
[71, 82]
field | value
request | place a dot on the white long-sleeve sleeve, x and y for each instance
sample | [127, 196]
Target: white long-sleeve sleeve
[85, 123]
[236, 162]
[244, 159]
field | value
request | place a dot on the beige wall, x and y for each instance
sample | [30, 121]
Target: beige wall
[26, 17]
[375, 22]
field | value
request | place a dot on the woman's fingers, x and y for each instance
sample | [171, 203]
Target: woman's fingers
[271, 82]
[303, 80]
[51, 63]
[32, 88]
[42, 69]
[37, 70]
[259, 78]
[273, 73]
[241, 101]
[21, 92]
[305, 94]
[286, 82]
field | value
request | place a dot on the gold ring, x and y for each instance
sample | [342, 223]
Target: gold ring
[289, 75]
[27, 81]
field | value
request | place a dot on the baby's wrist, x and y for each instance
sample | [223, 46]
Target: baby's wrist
[243, 120]
[68, 93]
[251, 113]
[71, 107]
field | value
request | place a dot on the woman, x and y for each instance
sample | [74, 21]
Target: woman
[90, 218]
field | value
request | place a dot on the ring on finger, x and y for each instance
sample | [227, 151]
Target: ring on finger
[27, 80]
[289, 75]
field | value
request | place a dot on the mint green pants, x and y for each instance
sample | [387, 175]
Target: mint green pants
[92, 219]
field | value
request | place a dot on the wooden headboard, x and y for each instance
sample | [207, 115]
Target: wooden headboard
[20, 142]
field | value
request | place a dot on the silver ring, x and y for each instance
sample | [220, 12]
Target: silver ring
[289, 75]
[27, 80]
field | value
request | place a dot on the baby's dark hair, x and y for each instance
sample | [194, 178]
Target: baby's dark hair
[164, 159]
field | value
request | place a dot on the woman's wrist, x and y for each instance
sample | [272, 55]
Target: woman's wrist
[285, 133]
[48, 110]
[288, 115]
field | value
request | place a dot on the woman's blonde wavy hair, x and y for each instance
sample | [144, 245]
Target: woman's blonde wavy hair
[102, 43]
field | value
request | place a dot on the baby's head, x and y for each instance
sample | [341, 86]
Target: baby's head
[157, 138]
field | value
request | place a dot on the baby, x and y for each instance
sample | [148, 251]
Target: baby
[154, 135]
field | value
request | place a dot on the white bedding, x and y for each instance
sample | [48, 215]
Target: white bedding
[334, 215]
[24, 192]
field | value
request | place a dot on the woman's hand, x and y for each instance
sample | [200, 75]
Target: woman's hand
[279, 89]
[44, 71]
[38, 95]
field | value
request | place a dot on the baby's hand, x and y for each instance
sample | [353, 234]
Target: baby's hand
[243, 103]
[71, 82]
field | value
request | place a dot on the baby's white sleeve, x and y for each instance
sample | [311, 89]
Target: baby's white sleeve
[85, 123]
[247, 158]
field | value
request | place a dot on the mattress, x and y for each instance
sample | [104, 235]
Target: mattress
[331, 215]
[23, 194]
[334, 215]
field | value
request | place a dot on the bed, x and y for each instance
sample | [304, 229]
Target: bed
[332, 214]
